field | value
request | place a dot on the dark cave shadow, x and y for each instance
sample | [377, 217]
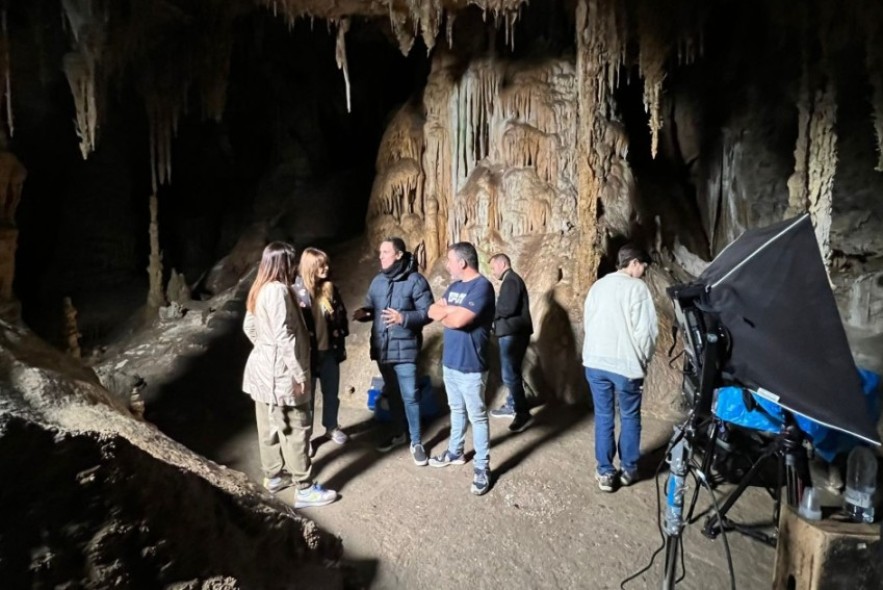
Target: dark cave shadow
[364, 446]
[358, 574]
[204, 406]
[561, 417]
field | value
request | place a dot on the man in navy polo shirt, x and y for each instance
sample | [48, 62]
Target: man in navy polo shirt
[467, 313]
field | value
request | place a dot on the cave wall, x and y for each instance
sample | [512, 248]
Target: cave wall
[490, 155]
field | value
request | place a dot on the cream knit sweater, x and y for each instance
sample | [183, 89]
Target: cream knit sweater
[620, 326]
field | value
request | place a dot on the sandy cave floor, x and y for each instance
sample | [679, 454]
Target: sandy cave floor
[544, 524]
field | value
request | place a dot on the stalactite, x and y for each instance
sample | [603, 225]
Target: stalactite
[80, 73]
[81, 66]
[398, 21]
[426, 15]
[7, 75]
[340, 56]
[212, 60]
[164, 110]
[155, 297]
[450, 17]
[654, 41]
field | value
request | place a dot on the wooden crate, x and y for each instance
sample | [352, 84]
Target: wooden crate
[829, 554]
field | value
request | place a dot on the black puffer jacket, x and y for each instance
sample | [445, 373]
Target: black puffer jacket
[407, 292]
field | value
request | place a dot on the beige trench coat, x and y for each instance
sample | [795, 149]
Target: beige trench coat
[281, 354]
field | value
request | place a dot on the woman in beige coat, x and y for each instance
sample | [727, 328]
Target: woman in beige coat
[277, 376]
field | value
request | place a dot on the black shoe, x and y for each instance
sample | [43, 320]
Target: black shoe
[419, 455]
[396, 441]
[521, 423]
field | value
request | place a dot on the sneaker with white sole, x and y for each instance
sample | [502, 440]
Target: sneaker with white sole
[338, 436]
[504, 411]
[606, 482]
[627, 478]
[278, 483]
[446, 459]
[481, 481]
[419, 455]
[314, 496]
[391, 443]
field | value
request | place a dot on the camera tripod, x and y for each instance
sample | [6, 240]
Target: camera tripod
[793, 473]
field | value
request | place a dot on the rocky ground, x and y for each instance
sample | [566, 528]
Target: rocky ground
[544, 524]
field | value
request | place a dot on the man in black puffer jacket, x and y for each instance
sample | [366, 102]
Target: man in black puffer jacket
[397, 302]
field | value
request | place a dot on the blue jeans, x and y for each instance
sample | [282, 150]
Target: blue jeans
[400, 388]
[466, 399]
[512, 350]
[329, 376]
[606, 387]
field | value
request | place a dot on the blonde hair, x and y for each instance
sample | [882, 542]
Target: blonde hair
[321, 290]
[277, 264]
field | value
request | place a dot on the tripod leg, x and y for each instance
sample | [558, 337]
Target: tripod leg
[671, 562]
[715, 521]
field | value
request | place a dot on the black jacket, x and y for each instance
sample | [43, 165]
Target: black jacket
[407, 292]
[512, 314]
[338, 324]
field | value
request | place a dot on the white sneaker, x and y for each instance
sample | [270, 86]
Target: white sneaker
[313, 496]
[338, 436]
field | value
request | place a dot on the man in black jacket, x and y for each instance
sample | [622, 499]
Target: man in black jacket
[513, 327]
[397, 303]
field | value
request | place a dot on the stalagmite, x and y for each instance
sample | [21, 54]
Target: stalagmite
[340, 56]
[155, 297]
[71, 331]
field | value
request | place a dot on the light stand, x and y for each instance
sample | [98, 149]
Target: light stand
[680, 455]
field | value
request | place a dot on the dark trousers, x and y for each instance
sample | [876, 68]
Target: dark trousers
[400, 388]
[512, 351]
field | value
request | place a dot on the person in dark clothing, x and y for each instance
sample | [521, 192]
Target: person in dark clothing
[512, 327]
[397, 303]
[326, 319]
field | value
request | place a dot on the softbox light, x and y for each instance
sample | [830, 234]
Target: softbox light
[770, 291]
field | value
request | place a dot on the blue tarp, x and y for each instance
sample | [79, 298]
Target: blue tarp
[828, 442]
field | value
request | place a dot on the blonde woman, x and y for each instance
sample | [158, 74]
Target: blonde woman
[277, 377]
[326, 319]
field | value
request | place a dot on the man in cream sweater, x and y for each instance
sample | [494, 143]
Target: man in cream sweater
[620, 336]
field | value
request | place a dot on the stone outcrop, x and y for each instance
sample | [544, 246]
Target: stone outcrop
[109, 501]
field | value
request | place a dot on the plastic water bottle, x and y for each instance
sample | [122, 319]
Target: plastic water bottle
[809, 505]
[861, 482]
